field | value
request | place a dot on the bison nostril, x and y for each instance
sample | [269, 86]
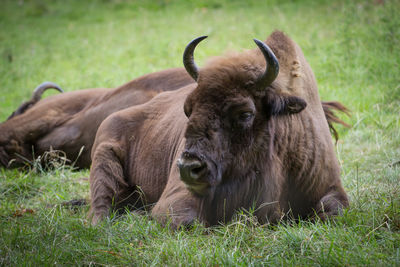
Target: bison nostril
[191, 169]
[196, 173]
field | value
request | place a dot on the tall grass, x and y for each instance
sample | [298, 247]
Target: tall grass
[353, 48]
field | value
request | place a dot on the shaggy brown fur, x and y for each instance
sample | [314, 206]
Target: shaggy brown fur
[262, 148]
[69, 121]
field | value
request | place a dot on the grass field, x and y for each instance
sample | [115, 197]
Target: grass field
[353, 48]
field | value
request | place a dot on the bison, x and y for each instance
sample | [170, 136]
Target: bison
[250, 134]
[69, 121]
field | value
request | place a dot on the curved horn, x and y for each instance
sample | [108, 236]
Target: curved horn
[188, 60]
[37, 93]
[272, 68]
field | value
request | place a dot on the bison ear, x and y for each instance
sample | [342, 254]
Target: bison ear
[284, 104]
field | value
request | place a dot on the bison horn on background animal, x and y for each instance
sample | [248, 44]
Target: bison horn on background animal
[37, 93]
[272, 68]
[36, 96]
[188, 60]
[271, 71]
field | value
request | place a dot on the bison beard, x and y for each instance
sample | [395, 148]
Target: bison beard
[242, 137]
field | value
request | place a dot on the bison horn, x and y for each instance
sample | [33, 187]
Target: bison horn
[188, 60]
[37, 93]
[272, 68]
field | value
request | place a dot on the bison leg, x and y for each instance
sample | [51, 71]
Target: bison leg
[332, 203]
[177, 206]
[107, 183]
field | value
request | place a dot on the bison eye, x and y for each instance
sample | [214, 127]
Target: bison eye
[245, 116]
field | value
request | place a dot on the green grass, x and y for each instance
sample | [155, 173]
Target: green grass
[353, 48]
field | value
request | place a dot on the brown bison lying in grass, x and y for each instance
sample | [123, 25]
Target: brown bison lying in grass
[251, 133]
[69, 121]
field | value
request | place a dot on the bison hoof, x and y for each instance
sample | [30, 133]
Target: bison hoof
[97, 217]
[175, 221]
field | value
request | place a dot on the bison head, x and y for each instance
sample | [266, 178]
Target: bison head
[230, 113]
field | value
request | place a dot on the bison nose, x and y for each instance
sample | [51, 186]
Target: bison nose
[191, 168]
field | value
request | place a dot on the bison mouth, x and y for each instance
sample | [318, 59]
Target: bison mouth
[200, 189]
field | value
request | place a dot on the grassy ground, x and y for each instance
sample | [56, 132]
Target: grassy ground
[353, 48]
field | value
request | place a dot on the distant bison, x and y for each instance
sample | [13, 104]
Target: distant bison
[251, 133]
[69, 121]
